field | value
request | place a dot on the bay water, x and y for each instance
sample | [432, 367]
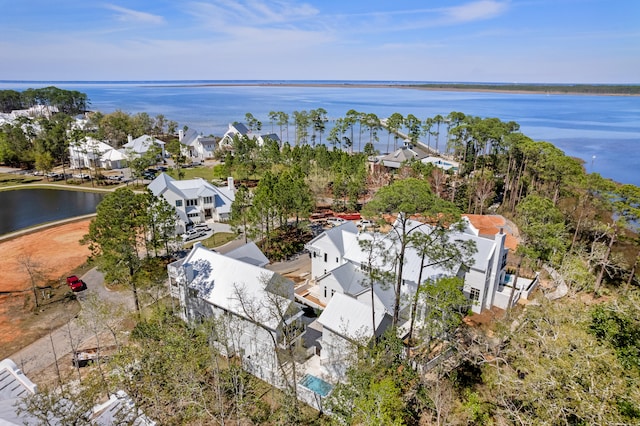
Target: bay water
[604, 131]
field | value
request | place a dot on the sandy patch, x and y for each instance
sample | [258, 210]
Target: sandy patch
[56, 249]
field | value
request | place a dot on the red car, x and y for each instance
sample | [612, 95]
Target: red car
[75, 283]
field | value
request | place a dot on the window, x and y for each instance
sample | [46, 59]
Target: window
[325, 291]
[207, 200]
[315, 254]
[337, 260]
[332, 292]
[325, 257]
[178, 203]
[193, 202]
[475, 295]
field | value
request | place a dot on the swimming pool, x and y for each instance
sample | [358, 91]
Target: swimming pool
[316, 384]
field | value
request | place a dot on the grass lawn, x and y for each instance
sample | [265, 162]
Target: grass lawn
[203, 172]
[216, 240]
[8, 179]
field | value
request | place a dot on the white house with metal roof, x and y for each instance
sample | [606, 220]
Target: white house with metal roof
[251, 304]
[195, 200]
[140, 145]
[346, 323]
[332, 249]
[15, 385]
[90, 152]
[239, 130]
[196, 146]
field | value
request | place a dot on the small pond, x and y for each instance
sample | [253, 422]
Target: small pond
[28, 207]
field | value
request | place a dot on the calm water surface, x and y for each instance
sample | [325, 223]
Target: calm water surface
[604, 127]
[27, 207]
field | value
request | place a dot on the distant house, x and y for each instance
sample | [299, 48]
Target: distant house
[239, 130]
[196, 146]
[195, 200]
[139, 146]
[90, 152]
[262, 139]
[235, 130]
[400, 156]
[252, 304]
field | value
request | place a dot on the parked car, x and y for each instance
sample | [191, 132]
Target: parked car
[364, 224]
[335, 221]
[75, 283]
[192, 234]
[201, 227]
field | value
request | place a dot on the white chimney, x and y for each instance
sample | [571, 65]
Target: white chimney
[180, 135]
[230, 184]
[129, 138]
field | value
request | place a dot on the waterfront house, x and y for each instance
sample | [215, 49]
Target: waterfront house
[195, 200]
[238, 130]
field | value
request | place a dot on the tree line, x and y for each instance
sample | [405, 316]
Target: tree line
[70, 102]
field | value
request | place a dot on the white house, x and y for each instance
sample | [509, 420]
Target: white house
[90, 152]
[252, 305]
[140, 145]
[15, 385]
[338, 246]
[195, 200]
[239, 130]
[196, 146]
[234, 130]
[347, 322]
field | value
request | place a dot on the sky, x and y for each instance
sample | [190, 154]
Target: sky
[508, 41]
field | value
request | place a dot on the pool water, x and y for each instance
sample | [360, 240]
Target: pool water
[316, 385]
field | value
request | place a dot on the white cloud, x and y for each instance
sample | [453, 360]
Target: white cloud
[130, 15]
[228, 13]
[474, 11]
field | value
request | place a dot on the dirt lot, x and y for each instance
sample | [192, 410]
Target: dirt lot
[59, 253]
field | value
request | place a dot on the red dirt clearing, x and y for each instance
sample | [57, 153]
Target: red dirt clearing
[59, 252]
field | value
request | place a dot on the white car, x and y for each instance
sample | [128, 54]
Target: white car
[335, 221]
[364, 224]
[192, 234]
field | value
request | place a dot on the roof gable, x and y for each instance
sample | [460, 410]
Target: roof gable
[351, 318]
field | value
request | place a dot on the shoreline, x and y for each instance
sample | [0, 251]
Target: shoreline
[399, 86]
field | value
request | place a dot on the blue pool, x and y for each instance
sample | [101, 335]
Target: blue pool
[316, 385]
